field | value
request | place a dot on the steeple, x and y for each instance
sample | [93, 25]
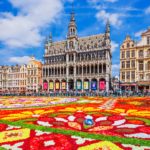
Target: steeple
[107, 30]
[50, 38]
[72, 28]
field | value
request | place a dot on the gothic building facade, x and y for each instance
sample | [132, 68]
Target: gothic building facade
[78, 63]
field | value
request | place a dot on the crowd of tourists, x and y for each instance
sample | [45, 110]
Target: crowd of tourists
[112, 93]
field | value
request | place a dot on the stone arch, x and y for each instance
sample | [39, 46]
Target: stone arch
[45, 85]
[94, 84]
[71, 84]
[57, 85]
[102, 84]
[86, 84]
[79, 84]
[63, 84]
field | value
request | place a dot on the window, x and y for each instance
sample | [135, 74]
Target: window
[141, 65]
[141, 76]
[71, 44]
[128, 64]
[133, 75]
[133, 63]
[141, 53]
[148, 65]
[148, 40]
[148, 76]
[148, 53]
[128, 54]
[123, 64]
[128, 45]
[133, 53]
[71, 70]
[128, 75]
[123, 54]
[71, 58]
[123, 75]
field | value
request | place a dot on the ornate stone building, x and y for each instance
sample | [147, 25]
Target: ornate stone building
[135, 63]
[78, 63]
[3, 78]
[34, 75]
[21, 78]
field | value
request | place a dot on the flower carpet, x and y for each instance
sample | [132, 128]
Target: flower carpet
[45, 123]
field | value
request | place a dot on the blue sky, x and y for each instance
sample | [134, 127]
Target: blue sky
[24, 24]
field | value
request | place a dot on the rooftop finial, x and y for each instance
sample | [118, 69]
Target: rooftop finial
[107, 26]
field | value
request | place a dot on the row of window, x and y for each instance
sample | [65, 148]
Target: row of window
[131, 76]
[32, 72]
[131, 54]
[128, 75]
[79, 70]
[128, 64]
[79, 57]
[131, 64]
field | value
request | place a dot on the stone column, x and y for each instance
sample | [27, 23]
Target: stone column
[67, 72]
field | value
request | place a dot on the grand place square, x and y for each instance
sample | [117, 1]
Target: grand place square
[74, 75]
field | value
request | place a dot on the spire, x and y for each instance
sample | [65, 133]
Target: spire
[72, 14]
[72, 28]
[107, 27]
[50, 37]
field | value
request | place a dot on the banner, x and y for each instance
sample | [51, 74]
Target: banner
[79, 85]
[51, 85]
[63, 85]
[102, 85]
[94, 85]
[57, 85]
[45, 85]
[86, 85]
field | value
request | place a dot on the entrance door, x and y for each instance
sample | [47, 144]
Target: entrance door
[71, 85]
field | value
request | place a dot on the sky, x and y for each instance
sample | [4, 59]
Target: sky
[25, 25]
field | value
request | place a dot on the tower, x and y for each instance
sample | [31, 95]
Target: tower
[72, 37]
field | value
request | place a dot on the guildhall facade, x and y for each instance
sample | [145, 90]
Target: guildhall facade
[78, 63]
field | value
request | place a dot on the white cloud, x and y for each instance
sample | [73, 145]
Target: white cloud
[20, 60]
[147, 10]
[115, 69]
[138, 34]
[114, 46]
[24, 29]
[114, 18]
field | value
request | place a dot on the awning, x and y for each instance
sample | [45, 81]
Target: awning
[125, 84]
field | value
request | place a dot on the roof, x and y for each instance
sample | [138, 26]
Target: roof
[59, 47]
